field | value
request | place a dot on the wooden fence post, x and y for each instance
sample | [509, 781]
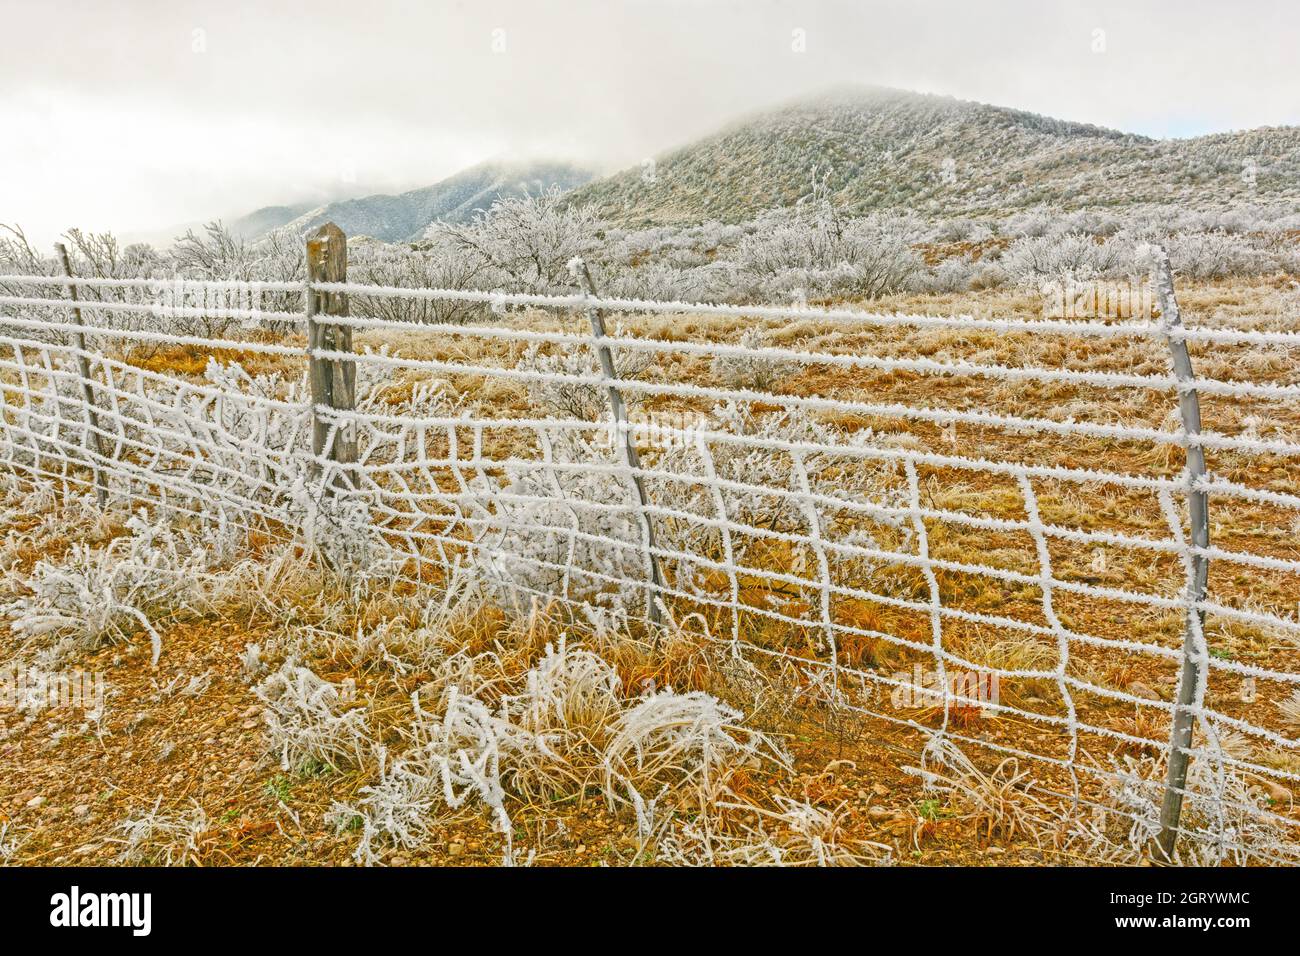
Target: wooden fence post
[1193, 673]
[333, 380]
[87, 391]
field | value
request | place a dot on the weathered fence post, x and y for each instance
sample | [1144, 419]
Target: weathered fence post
[333, 380]
[1189, 684]
[87, 391]
[630, 455]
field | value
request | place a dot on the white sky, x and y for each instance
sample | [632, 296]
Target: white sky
[139, 115]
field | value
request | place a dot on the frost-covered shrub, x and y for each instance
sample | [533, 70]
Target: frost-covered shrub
[336, 525]
[434, 263]
[573, 532]
[1031, 223]
[527, 546]
[527, 241]
[1224, 821]
[961, 230]
[1030, 261]
[950, 275]
[987, 274]
[686, 746]
[92, 595]
[753, 372]
[1217, 255]
[308, 718]
[1087, 222]
[711, 281]
[216, 254]
[161, 839]
[588, 401]
[559, 728]
[812, 249]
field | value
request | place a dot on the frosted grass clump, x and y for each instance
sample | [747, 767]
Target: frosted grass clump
[794, 833]
[161, 839]
[688, 745]
[91, 595]
[533, 742]
[250, 661]
[451, 759]
[1224, 821]
[1290, 709]
[9, 843]
[309, 718]
[564, 726]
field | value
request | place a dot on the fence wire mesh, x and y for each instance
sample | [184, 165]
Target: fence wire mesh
[974, 529]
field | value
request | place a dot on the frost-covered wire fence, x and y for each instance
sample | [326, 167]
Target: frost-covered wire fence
[886, 565]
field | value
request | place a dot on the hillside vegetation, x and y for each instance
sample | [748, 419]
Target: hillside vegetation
[885, 149]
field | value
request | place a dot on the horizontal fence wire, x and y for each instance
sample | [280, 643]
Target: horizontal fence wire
[814, 507]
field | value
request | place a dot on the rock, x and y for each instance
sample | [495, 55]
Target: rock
[251, 724]
[881, 813]
[836, 767]
[253, 711]
[81, 811]
[880, 789]
[35, 802]
[455, 849]
[1139, 689]
[1276, 793]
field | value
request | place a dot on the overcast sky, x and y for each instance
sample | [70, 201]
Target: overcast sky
[139, 115]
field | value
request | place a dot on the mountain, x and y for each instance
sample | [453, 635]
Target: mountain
[883, 149]
[263, 220]
[396, 218]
